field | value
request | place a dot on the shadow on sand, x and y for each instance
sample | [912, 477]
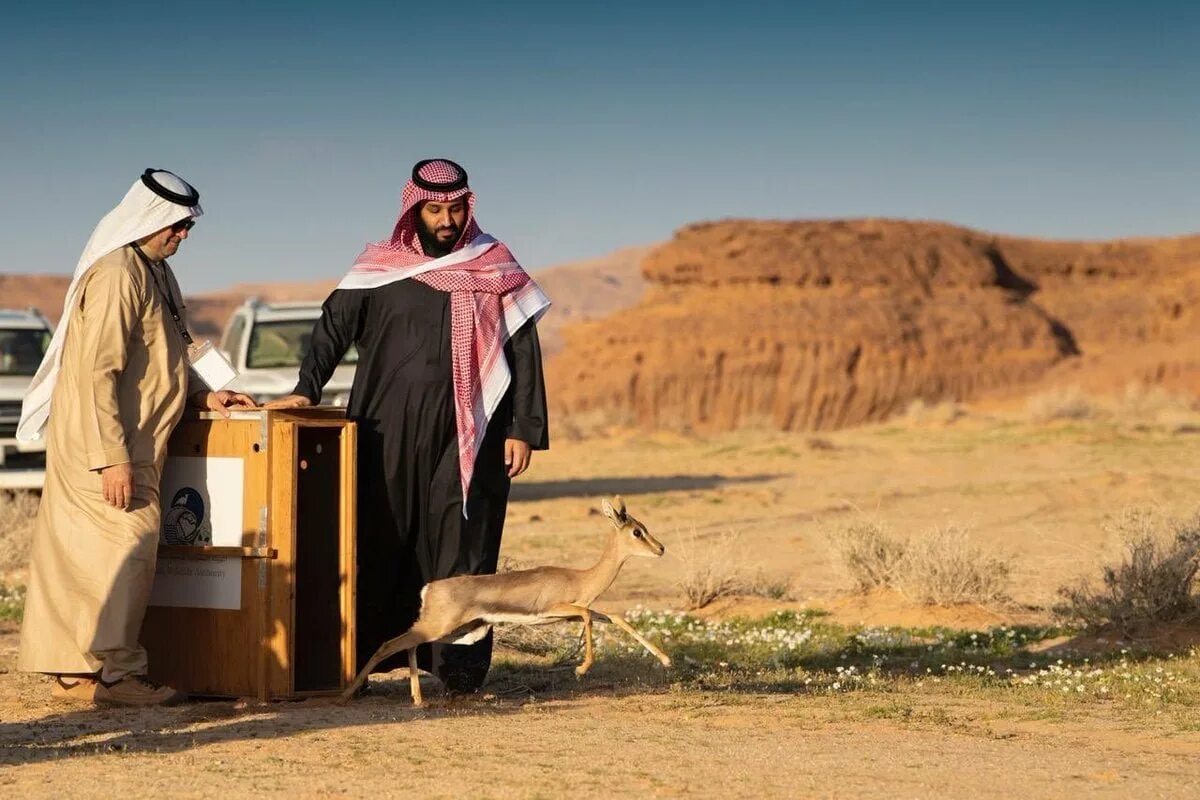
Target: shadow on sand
[91, 731]
[595, 487]
[511, 686]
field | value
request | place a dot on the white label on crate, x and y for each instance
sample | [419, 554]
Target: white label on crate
[202, 501]
[210, 582]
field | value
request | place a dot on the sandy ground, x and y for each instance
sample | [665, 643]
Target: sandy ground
[1037, 494]
[599, 740]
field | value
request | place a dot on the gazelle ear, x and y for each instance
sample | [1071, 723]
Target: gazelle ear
[615, 515]
[619, 502]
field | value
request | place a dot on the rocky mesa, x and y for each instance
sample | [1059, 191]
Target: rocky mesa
[821, 324]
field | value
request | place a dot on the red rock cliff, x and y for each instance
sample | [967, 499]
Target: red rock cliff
[811, 325]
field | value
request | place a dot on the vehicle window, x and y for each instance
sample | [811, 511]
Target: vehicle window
[284, 344]
[233, 336]
[21, 350]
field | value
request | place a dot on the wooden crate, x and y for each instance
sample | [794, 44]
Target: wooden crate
[266, 609]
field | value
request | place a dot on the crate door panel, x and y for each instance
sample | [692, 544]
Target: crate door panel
[212, 650]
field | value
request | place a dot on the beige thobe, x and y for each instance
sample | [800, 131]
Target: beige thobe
[121, 389]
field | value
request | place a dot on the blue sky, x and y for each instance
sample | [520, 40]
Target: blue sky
[588, 127]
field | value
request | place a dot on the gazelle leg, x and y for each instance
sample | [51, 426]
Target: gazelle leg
[619, 621]
[567, 611]
[588, 655]
[414, 678]
[405, 641]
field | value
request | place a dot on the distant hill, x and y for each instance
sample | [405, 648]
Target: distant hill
[823, 324]
[587, 290]
[43, 292]
[580, 291]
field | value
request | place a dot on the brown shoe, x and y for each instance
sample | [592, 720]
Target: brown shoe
[75, 688]
[137, 690]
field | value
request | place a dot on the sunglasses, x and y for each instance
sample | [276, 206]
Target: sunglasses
[183, 225]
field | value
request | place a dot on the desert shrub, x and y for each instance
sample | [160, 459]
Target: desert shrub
[944, 568]
[941, 568]
[1060, 403]
[559, 641]
[868, 554]
[1139, 407]
[1150, 402]
[944, 412]
[1155, 582]
[17, 513]
[508, 564]
[12, 602]
[1149, 407]
[764, 584]
[711, 569]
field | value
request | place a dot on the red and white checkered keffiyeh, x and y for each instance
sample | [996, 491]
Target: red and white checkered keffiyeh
[491, 297]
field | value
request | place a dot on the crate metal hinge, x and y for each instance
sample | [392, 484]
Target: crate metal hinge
[261, 535]
[264, 431]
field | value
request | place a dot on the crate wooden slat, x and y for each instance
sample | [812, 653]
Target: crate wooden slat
[292, 634]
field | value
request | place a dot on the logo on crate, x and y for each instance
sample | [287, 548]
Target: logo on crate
[186, 522]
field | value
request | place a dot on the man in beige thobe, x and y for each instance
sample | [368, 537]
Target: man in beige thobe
[111, 388]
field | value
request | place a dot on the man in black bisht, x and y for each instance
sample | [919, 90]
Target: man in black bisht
[449, 398]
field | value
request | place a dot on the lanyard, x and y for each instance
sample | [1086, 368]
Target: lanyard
[164, 291]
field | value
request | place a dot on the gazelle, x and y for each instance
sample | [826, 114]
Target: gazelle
[461, 609]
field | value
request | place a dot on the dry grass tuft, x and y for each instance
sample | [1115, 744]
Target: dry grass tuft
[1138, 407]
[1154, 407]
[944, 568]
[508, 564]
[559, 641]
[763, 584]
[1154, 584]
[941, 567]
[1061, 403]
[868, 554]
[17, 513]
[711, 569]
[921, 412]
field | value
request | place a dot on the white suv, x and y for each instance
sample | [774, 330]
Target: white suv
[24, 337]
[266, 343]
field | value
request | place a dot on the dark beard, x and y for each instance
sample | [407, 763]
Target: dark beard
[433, 247]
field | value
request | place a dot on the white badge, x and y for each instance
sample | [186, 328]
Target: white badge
[211, 365]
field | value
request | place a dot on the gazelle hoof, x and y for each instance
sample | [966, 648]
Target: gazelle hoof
[581, 670]
[666, 661]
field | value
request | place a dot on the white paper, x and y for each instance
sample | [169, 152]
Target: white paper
[214, 369]
[209, 582]
[202, 501]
